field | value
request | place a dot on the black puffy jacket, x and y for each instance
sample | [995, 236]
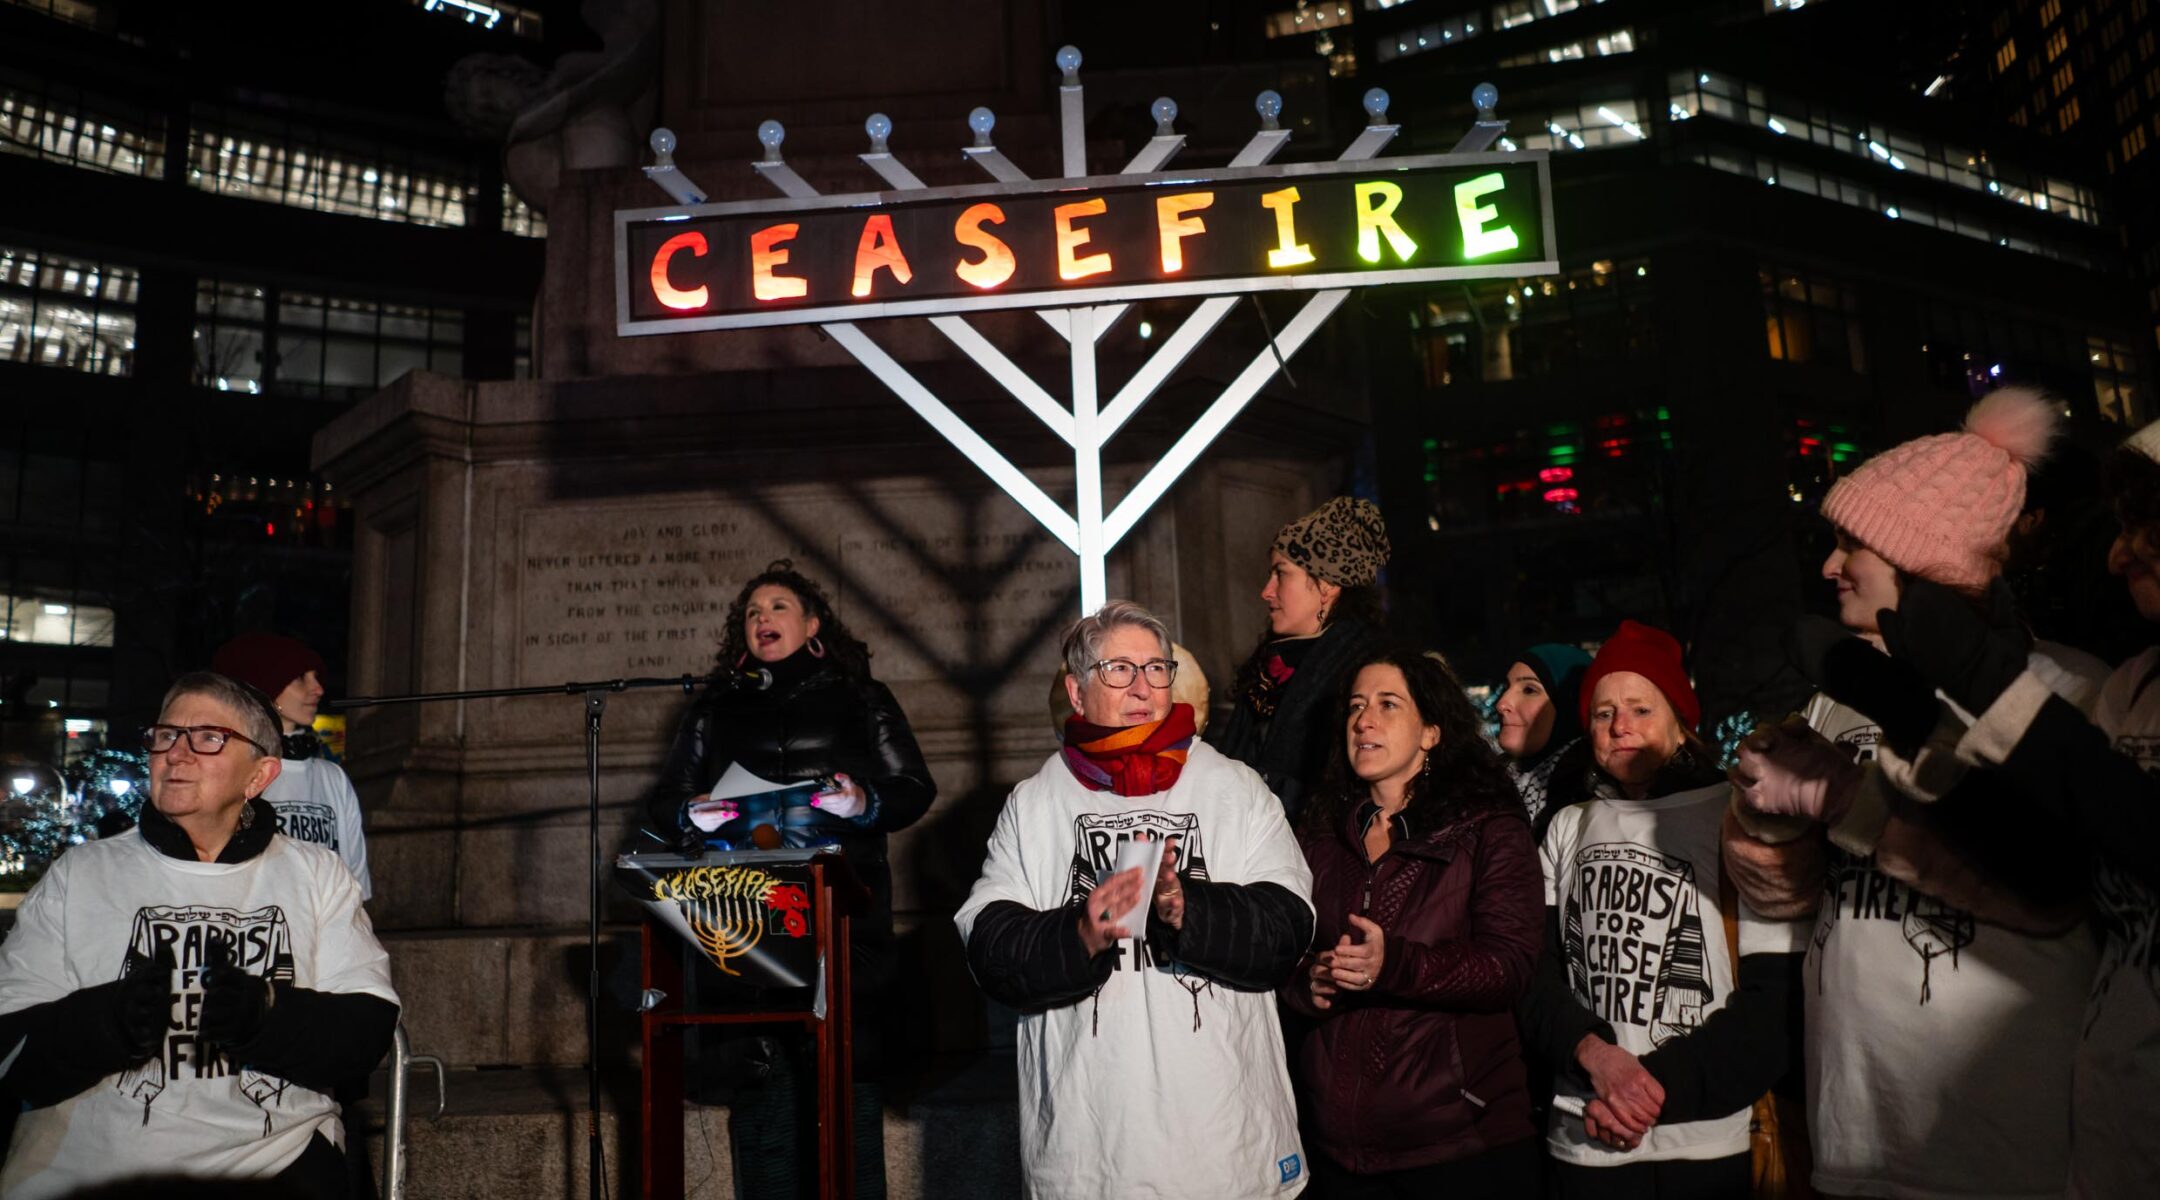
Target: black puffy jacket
[812, 721]
[1290, 748]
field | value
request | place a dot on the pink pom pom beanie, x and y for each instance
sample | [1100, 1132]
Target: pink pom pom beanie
[1941, 507]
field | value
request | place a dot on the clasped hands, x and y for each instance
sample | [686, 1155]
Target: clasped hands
[1349, 966]
[1629, 1098]
[1101, 917]
[235, 1002]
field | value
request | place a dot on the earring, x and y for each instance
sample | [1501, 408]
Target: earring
[247, 814]
[817, 648]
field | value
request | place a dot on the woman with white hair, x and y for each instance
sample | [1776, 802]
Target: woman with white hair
[182, 998]
[1169, 1080]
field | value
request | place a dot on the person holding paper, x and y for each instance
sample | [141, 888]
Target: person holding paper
[797, 705]
[1431, 917]
[1150, 1054]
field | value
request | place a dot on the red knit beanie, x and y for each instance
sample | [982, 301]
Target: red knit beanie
[1651, 653]
[265, 661]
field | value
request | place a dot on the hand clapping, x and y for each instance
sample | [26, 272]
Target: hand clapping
[1106, 906]
[1170, 890]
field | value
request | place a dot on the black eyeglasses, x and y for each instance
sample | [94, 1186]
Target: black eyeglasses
[202, 739]
[1119, 673]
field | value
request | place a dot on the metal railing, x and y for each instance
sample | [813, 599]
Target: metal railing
[401, 1061]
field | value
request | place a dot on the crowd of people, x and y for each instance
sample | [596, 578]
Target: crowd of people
[1902, 944]
[1899, 943]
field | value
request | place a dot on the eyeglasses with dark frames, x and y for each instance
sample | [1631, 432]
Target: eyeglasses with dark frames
[1119, 673]
[202, 739]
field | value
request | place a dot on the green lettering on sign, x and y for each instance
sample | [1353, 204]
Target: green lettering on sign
[1478, 241]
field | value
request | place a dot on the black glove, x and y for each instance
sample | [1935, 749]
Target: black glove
[1972, 654]
[235, 1002]
[146, 1005]
[1857, 675]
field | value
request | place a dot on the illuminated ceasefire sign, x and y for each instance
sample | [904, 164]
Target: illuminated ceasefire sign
[1079, 250]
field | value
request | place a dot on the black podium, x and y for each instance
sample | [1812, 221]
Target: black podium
[774, 919]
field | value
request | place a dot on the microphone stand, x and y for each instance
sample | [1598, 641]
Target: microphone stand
[596, 694]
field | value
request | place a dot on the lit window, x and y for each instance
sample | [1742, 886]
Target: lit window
[2067, 115]
[60, 123]
[1808, 319]
[67, 313]
[1618, 41]
[2064, 77]
[2057, 42]
[2118, 388]
[2005, 55]
[1585, 127]
[1437, 35]
[74, 12]
[488, 14]
[1306, 18]
[338, 348]
[294, 167]
[1703, 93]
[44, 621]
[2049, 11]
[521, 218]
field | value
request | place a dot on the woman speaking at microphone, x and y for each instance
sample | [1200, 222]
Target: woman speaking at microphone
[796, 704]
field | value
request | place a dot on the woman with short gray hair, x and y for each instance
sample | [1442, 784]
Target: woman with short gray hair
[1084, 637]
[1121, 978]
[185, 997]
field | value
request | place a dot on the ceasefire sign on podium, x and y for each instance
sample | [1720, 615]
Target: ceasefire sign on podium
[1079, 250]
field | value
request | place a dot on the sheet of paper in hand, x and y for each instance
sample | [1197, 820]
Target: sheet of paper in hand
[1146, 854]
[787, 807]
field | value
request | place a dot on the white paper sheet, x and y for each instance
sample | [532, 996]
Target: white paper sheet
[734, 784]
[1146, 854]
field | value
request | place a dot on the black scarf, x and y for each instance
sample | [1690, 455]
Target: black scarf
[1268, 672]
[258, 822]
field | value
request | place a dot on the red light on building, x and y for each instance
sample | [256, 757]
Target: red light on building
[1556, 474]
[1560, 496]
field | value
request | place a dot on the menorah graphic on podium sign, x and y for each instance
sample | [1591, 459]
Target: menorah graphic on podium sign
[1079, 250]
[728, 910]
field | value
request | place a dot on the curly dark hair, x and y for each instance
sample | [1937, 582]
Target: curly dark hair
[843, 650]
[1464, 772]
[2131, 482]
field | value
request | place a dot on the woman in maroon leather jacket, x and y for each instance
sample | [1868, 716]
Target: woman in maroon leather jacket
[1430, 909]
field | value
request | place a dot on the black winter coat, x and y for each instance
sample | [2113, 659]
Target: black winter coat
[813, 721]
[1290, 749]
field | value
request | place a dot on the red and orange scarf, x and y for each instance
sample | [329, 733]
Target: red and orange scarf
[1136, 760]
